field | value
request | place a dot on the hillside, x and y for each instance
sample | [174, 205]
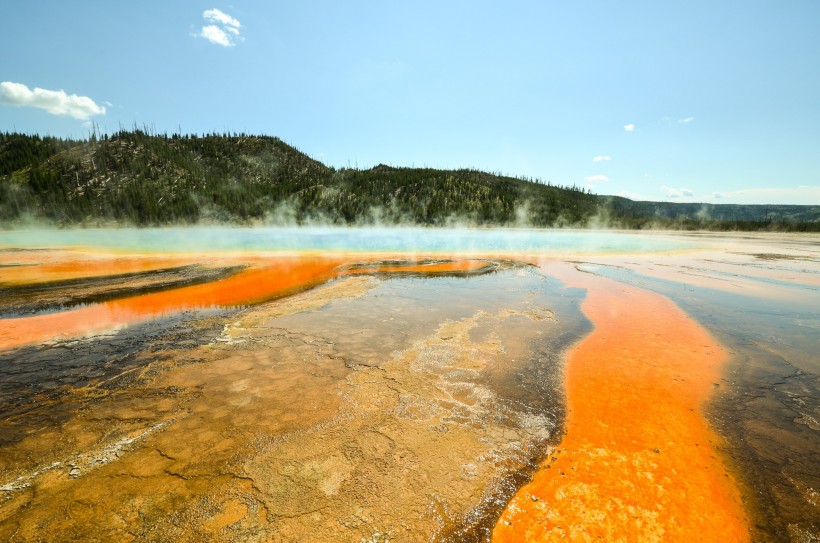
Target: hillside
[133, 177]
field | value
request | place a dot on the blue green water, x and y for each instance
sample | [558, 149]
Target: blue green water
[325, 239]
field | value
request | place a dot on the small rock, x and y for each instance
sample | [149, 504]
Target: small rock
[534, 498]
[74, 473]
[657, 451]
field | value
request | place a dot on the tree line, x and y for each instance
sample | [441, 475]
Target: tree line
[136, 177]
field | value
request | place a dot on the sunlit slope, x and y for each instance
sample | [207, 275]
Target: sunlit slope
[147, 179]
[133, 177]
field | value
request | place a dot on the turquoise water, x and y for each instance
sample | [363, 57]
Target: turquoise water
[421, 240]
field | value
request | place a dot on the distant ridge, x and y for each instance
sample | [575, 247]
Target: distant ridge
[137, 178]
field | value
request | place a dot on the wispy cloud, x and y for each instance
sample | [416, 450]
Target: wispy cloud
[55, 102]
[677, 193]
[216, 35]
[803, 194]
[633, 196]
[601, 158]
[596, 179]
[220, 17]
[629, 127]
[687, 120]
[222, 29]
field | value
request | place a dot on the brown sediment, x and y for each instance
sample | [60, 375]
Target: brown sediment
[435, 266]
[778, 256]
[638, 461]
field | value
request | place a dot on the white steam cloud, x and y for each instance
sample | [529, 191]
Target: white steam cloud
[602, 158]
[55, 102]
[222, 29]
[596, 179]
[629, 127]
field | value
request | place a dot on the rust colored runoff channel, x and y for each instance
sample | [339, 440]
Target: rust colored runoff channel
[639, 461]
[265, 280]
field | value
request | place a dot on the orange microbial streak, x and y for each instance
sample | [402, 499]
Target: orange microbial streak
[29, 270]
[266, 279]
[638, 461]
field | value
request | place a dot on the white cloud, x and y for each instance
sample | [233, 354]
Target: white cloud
[220, 17]
[633, 196]
[629, 127]
[596, 179]
[677, 193]
[216, 35]
[601, 158]
[223, 29]
[802, 195]
[687, 120]
[55, 102]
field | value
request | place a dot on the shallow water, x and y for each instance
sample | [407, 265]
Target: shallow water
[768, 405]
[358, 401]
[372, 384]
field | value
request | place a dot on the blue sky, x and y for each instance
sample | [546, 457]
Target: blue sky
[687, 101]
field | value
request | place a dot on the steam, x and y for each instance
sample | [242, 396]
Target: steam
[324, 239]
[704, 213]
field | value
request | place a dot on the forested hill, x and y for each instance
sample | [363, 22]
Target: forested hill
[133, 177]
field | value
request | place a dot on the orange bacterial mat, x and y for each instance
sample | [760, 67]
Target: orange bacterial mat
[264, 281]
[638, 461]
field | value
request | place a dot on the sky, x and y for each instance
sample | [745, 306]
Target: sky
[696, 101]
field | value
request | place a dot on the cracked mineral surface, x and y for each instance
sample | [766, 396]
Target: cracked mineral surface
[405, 399]
[409, 397]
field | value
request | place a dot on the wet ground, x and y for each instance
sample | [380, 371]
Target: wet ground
[762, 301]
[638, 461]
[404, 398]
[393, 398]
